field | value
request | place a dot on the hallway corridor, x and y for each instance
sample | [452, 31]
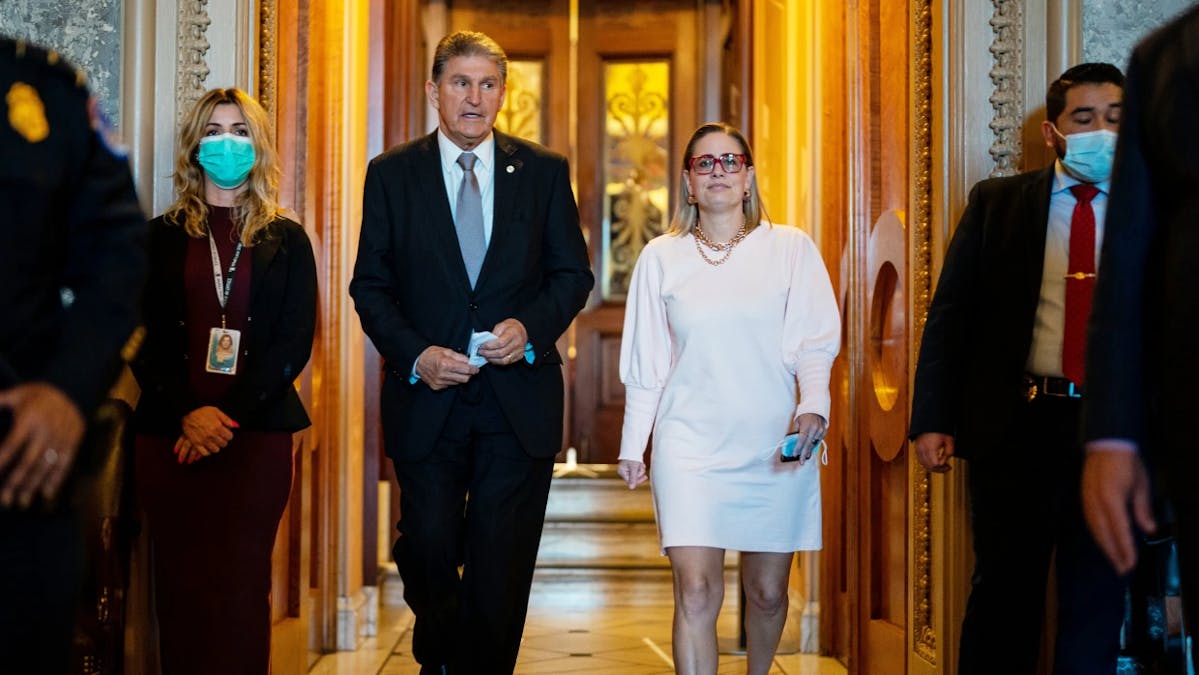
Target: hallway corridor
[601, 599]
[592, 621]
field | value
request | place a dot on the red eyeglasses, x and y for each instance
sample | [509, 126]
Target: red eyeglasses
[705, 164]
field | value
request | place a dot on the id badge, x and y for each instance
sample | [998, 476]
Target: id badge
[223, 346]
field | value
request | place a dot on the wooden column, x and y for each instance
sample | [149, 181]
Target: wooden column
[336, 163]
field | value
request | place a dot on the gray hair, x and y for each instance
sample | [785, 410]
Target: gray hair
[468, 43]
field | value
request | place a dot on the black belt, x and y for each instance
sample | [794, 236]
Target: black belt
[1036, 385]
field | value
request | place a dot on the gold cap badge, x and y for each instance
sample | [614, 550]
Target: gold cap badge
[26, 113]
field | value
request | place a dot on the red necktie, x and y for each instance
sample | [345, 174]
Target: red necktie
[1080, 283]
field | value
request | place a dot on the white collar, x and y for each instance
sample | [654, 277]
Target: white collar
[1062, 180]
[484, 151]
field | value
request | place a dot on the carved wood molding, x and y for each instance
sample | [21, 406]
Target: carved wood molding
[1007, 22]
[924, 637]
[191, 69]
[268, 26]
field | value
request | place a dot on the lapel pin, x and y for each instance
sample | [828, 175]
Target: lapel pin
[511, 169]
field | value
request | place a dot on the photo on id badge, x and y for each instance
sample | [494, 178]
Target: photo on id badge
[223, 344]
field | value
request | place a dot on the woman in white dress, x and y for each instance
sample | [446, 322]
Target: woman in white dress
[726, 315]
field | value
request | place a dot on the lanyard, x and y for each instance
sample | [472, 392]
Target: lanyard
[223, 286]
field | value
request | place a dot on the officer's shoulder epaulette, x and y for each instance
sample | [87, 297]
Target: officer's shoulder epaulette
[49, 60]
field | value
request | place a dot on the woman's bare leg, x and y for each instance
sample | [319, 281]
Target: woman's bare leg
[764, 578]
[698, 592]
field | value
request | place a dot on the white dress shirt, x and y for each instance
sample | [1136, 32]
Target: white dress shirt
[484, 172]
[453, 174]
[1048, 333]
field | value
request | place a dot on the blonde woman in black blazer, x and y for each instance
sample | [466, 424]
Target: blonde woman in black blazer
[214, 440]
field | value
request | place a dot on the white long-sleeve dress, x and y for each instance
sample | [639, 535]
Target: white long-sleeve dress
[711, 357]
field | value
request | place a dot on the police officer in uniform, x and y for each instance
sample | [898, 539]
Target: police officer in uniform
[72, 262]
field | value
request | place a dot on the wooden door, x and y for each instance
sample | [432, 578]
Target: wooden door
[634, 93]
[638, 102]
[878, 333]
[537, 103]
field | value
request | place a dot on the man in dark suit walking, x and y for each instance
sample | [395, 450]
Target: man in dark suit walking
[999, 380]
[468, 231]
[72, 262]
[1142, 358]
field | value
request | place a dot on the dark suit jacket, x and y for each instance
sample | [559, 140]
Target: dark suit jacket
[1143, 354]
[411, 290]
[979, 330]
[71, 229]
[276, 344]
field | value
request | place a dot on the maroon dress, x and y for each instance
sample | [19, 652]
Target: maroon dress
[212, 523]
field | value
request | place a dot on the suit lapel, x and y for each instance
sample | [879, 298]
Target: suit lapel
[1036, 224]
[506, 174]
[431, 192]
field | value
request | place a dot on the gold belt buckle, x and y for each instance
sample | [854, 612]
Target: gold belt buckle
[1031, 390]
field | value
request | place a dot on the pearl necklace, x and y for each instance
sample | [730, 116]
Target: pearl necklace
[727, 247]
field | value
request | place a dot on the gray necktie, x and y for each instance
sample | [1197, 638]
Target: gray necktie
[469, 218]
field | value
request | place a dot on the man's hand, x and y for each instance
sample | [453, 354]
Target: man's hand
[40, 447]
[508, 345]
[439, 368]
[1114, 482]
[933, 451]
[633, 472]
[206, 431]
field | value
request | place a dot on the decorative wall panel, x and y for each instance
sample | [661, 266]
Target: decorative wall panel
[1111, 28]
[87, 32]
[1007, 47]
[521, 114]
[191, 67]
[636, 156]
[924, 633]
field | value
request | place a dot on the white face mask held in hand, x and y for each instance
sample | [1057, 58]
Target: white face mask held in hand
[1089, 154]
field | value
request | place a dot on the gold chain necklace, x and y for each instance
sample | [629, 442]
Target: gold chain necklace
[727, 247]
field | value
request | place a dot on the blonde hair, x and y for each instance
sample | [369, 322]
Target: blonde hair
[257, 207]
[686, 215]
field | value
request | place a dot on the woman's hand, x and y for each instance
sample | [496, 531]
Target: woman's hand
[811, 428]
[206, 431]
[632, 472]
[185, 452]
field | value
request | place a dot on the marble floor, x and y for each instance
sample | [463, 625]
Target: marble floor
[615, 622]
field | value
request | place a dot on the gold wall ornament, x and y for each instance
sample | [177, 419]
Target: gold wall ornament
[521, 114]
[26, 113]
[267, 55]
[924, 636]
[636, 148]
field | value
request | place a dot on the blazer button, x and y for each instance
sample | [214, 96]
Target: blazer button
[473, 306]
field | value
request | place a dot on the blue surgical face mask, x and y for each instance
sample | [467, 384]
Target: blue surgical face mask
[226, 159]
[1089, 154]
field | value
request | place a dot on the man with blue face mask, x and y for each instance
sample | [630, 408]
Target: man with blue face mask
[999, 382]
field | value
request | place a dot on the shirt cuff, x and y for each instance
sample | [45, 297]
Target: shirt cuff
[413, 378]
[640, 411]
[530, 355]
